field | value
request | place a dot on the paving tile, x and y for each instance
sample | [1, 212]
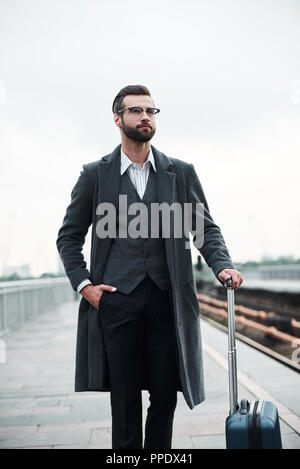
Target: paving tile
[30, 411]
[182, 442]
[47, 435]
[9, 403]
[200, 425]
[45, 402]
[209, 441]
[76, 438]
[33, 447]
[10, 431]
[81, 446]
[24, 443]
[291, 441]
[73, 426]
[11, 437]
[18, 421]
[101, 436]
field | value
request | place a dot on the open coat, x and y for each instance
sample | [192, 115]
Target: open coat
[99, 182]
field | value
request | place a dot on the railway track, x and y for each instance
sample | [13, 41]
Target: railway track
[252, 327]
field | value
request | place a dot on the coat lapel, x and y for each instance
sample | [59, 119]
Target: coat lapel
[166, 177]
[166, 183]
[109, 185]
[109, 177]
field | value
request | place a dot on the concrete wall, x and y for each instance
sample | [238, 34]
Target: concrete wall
[23, 300]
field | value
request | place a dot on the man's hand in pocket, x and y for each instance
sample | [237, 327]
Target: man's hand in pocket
[93, 293]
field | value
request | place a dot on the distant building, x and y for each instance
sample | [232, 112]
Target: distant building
[288, 272]
[272, 272]
[23, 270]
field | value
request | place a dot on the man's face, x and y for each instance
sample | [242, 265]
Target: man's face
[140, 128]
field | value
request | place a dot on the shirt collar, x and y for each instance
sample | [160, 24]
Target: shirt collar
[126, 162]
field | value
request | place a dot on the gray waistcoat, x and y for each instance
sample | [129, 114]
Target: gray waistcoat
[129, 259]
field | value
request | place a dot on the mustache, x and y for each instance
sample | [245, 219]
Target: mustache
[144, 125]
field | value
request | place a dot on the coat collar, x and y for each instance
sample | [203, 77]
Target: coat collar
[126, 162]
[109, 177]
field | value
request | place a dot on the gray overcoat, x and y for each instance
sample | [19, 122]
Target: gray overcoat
[176, 182]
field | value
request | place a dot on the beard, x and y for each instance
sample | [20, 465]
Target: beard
[137, 134]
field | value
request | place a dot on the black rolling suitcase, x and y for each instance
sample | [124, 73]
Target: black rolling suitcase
[250, 425]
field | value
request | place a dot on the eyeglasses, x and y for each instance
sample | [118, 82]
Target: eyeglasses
[138, 111]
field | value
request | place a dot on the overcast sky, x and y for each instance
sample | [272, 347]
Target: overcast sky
[225, 74]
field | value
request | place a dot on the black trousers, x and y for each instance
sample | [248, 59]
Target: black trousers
[139, 338]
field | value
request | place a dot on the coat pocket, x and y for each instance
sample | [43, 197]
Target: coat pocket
[102, 300]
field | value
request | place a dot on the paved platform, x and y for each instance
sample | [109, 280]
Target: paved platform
[38, 408]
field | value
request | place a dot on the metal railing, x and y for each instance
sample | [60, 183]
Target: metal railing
[23, 300]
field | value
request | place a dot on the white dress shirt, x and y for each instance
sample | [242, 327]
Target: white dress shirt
[139, 177]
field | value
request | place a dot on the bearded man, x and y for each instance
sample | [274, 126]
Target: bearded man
[138, 325]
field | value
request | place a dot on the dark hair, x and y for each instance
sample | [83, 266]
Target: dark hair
[130, 89]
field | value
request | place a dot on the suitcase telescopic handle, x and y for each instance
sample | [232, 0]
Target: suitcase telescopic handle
[232, 368]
